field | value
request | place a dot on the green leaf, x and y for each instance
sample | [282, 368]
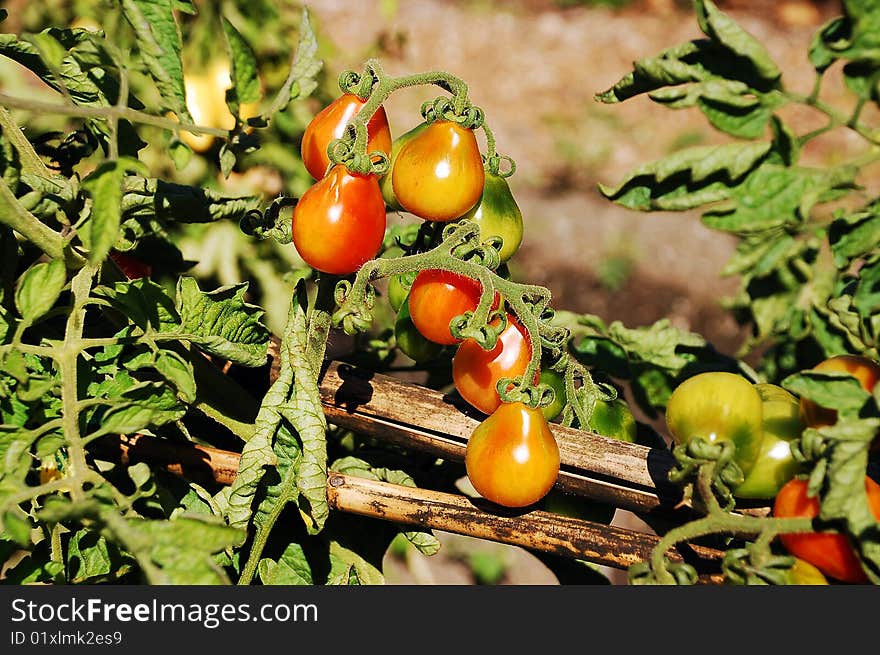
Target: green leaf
[144, 303]
[104, 186]
[245, 75]
[855, 236]
[180, 153]
[292, 568]
[145, 404]
[159, 44]
[741, 122]
[720, 27]
[92, 559]
[831, 389]
[39, 288]
[17, 525]
[302, 78]
[227, 159]
[170, 365]
[221, 323]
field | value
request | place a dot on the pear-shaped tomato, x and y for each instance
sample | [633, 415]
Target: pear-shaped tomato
[775, 465]
[339, 222]
[436, 297]
[438, 174]
[865, 370]
[718, 406]
[385, 182]
[330, 123]
[512, 457]
[476, 372]
[498, 215]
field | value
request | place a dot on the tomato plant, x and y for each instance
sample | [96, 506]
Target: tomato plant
[436, 297]
[613, 418]
[386, 182]
[476, 372]
[341, 208]
[512, 457]
[498, 215]
[438, 173]
[557, 383]
[831, 553]
[718, 407]
[331, 122]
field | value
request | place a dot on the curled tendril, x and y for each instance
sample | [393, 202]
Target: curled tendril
[518, 390]
[494, 165]
[486, 335]
[690, 459]
[349, 81]
[756, 565]
[811, 447]
[442, 108]
[641, 573]
[269, 223]
[341, 292]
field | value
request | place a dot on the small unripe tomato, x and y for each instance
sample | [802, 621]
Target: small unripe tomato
[718, 406]
[436, 297]
[339, 222]
[775, 465]
[804, 573]
[831, 553]
[476, 372]
[438, 174]
[556, 382]
[498, 215]
[512, 457]
[330, 123]
[613, 418]
[865, 370]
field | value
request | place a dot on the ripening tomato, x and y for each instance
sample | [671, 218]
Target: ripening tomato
[831, 553]
[385, 182]
[498, 215]
[718, 406]
[436, 297]
[804, 573]
[330, 123]
[476, 372]
[776, 465]
[339, 222]
[206, 103]
[865, 370]
[438, 174]
[512, 457]
[410, 341]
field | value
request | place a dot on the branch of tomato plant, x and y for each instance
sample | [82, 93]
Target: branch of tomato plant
[836, 118]
[528, 303]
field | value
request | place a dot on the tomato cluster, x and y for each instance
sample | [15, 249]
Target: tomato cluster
[761, 421]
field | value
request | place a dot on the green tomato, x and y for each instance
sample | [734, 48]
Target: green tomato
[613, 419]
[498, 215]
[398, 289]
[718, 407]
[558, 502]
[410, 341]
[385, 180]
[556, 382]
[782, 424]
[804, 573]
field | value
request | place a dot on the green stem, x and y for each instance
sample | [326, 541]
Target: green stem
[30, 160]
[14, 215]
[836, 117]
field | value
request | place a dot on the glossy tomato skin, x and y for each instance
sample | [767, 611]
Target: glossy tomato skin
[865, 370]
[131, 266]
[804, 573]
[410, 341]
[436, 297]
[498, 215]
[512, 457]
[330, 123]
[613, 418]
[718, 406]
[476, 372]
[781, 425]
[385, 182]
[831, 553]
[438, 174]
[339, 222]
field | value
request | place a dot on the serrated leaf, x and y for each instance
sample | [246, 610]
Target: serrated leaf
[722, 28]
[292, 568]
[741, 122]
[221, 323]
[104, 186]
[855, 236]
[866, 299]
[17, 526]
[830, 389]
[92, 559]
[302, 78]
[145, 404]
[159, 43]
[39, 288]
[657, 344]
[245, 75]
[144, 303]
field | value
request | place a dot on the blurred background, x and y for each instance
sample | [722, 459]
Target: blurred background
[534, 67]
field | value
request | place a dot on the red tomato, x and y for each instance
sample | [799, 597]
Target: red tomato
[512, 457]
[339, 223]
[436, 297]
[330, 123]
[865, 370]
[831, 553]
[476, 372]
[438, 174]
[132, 267]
